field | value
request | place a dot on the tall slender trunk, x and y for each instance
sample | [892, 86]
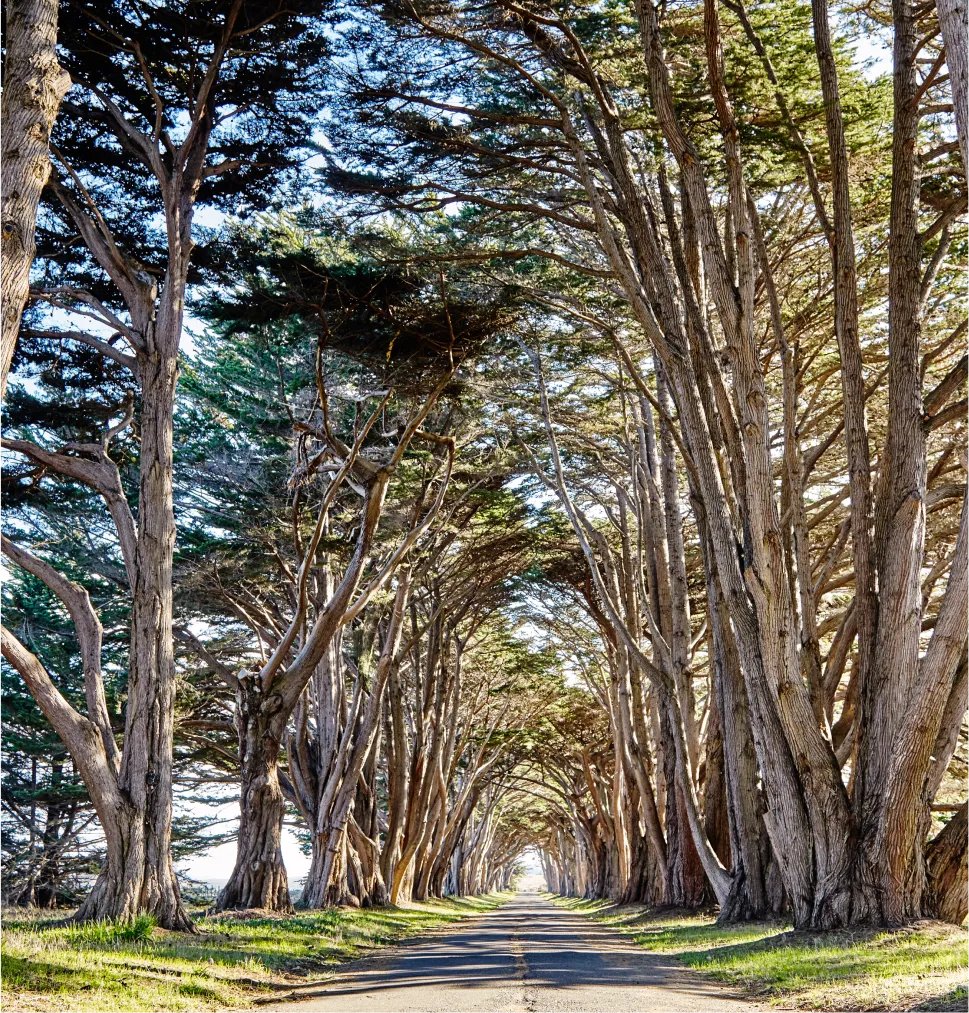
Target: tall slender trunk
[844, 273]
[895, 879]
[138, 874]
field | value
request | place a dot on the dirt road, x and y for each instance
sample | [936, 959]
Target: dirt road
[526, 956]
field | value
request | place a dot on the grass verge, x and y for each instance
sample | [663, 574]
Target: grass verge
[923, 967]
[235, 959]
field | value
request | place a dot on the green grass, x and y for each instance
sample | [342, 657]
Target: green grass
[924, 966]
[234, 959]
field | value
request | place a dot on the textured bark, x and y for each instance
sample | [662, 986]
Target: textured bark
[145, 777]
[686, 882]
[258, 878]
[948, 878]
[714, 780]
[397, 780]
[955, 33]
[338, 791]
[142, 793]
[136, 876]
[844, 273]
[33, 85]
[751, 896]
[899, 528]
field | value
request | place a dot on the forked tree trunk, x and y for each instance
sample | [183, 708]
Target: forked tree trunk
[136, 877]
[33, 85]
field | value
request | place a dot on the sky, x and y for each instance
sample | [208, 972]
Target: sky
[215, 865]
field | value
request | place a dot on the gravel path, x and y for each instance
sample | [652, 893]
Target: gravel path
[527, 955]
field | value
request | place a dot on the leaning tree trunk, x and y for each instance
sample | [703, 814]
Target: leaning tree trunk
[33, 85]
[258, 878]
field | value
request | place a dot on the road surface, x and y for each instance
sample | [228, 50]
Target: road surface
[528, 956]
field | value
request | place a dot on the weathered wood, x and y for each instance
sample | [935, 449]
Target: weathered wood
[33, 85]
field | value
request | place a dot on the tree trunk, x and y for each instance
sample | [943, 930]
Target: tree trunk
[373, 889]
[33, 85]
[133, 798]
[258, 878]
[145, 779]
[750, 897]
[327, 883]
[890, 839]
[948, 878]
[952, 18]
[714, 782]
[338, 787]
[684, 873]
[135, 878]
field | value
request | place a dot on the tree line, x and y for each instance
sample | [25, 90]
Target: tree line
[568, 452]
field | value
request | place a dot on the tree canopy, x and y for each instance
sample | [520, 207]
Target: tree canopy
[467, 431]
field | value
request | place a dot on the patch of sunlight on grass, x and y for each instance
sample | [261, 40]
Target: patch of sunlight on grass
[920, 967]
[50, 966]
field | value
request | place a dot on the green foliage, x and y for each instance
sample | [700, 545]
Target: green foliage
[104, 933]
[48, 845]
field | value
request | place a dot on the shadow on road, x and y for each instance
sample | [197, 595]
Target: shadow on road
[528, 944]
